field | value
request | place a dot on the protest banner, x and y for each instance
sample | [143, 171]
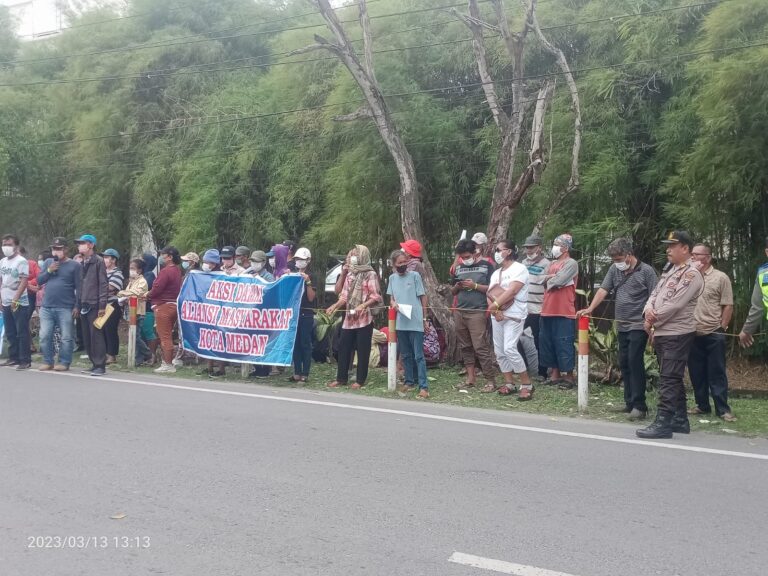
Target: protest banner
[240, 318]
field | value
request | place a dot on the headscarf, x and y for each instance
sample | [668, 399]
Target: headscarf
[360, 271]
[281, 260]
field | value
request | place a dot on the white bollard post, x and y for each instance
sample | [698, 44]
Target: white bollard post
[583, 363]
[392, 352]
[133, 303]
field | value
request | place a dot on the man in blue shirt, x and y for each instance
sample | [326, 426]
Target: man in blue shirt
[61, 278]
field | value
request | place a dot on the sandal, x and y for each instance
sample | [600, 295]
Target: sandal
[525, 394]
[566, 384]
[489, 388]
[336, 384]
[295, 380]
[505, 390]
[466, 385]
[356, 386]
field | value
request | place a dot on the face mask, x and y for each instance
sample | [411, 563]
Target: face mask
[82, 249]
[467, 261]
[557, 251]
[272, 262]
[41, 263]
[301, 264]
[133, 274]
[161, 262]
[621, 266]
[257, 266]
[402, 269]
[8, 251]
[353, 260]
[185, 264]
[207, 267]
[499, 257]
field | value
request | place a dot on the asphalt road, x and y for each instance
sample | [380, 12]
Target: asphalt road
[250, 480]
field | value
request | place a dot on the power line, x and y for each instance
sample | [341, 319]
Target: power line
[173, 42]
[185, 71]
[411, 93]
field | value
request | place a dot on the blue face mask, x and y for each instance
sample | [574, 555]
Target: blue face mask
[185, 264]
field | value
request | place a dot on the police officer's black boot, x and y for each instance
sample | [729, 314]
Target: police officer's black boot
[659, 428]
[680, 422]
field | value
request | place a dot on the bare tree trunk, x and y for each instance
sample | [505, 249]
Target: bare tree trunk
[377, 109]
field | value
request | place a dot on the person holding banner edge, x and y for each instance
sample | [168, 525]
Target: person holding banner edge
[302, 349]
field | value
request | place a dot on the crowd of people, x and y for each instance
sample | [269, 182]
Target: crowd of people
[514, 313]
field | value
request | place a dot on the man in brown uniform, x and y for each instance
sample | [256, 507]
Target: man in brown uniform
[669, 319]
[706, 363]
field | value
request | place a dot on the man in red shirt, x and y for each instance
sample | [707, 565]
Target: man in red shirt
[558, 314]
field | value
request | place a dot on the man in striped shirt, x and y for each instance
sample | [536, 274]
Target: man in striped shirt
[538, 267]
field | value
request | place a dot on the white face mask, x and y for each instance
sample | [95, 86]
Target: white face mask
[207, 267]
[133, 274]
[499, 257]
[8, 251]
[467, 261]
[353, 260]
[557, 251]
[257, 266]
[301, 264]
[272, 262]
[41, 263]
[621, 266]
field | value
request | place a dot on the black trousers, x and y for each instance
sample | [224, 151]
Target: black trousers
[93, 339]
[706, 366]
[673, 353]
[532, 322]
[632, 363]
[111, 329]
[355, 340]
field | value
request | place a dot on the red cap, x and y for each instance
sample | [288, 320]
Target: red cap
[412, 248]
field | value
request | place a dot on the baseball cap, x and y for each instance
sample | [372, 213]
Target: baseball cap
[679, 237]
[212, 256]
[59, 242]
[258, 256]
[533, 241]
[190, 257]
[270, 254]
[242, 251]
[412, 248]
[302, 254]
[86, 238]
[480, 238]
[111, 252]
[228, 252]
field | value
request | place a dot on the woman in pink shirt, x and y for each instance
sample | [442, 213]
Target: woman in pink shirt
[361, 291]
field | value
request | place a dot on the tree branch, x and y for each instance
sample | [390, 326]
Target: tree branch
[359, 114]
[365, 24]
[473, 22]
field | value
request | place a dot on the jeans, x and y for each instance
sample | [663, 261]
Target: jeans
[706, 366]
[302, 348]
[17, 333]
[50, 319]
[143, 353]
[533, 321]
[411, 345]
[632, 362]
[673, 356]
[355, 340]
[556, 336]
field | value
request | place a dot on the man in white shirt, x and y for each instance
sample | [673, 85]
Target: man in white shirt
[14, 275]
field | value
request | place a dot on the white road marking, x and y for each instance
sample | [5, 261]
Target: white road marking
[501, 566]
[631, 441]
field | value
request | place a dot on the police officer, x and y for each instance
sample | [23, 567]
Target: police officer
[669, 320]
[759, 305]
